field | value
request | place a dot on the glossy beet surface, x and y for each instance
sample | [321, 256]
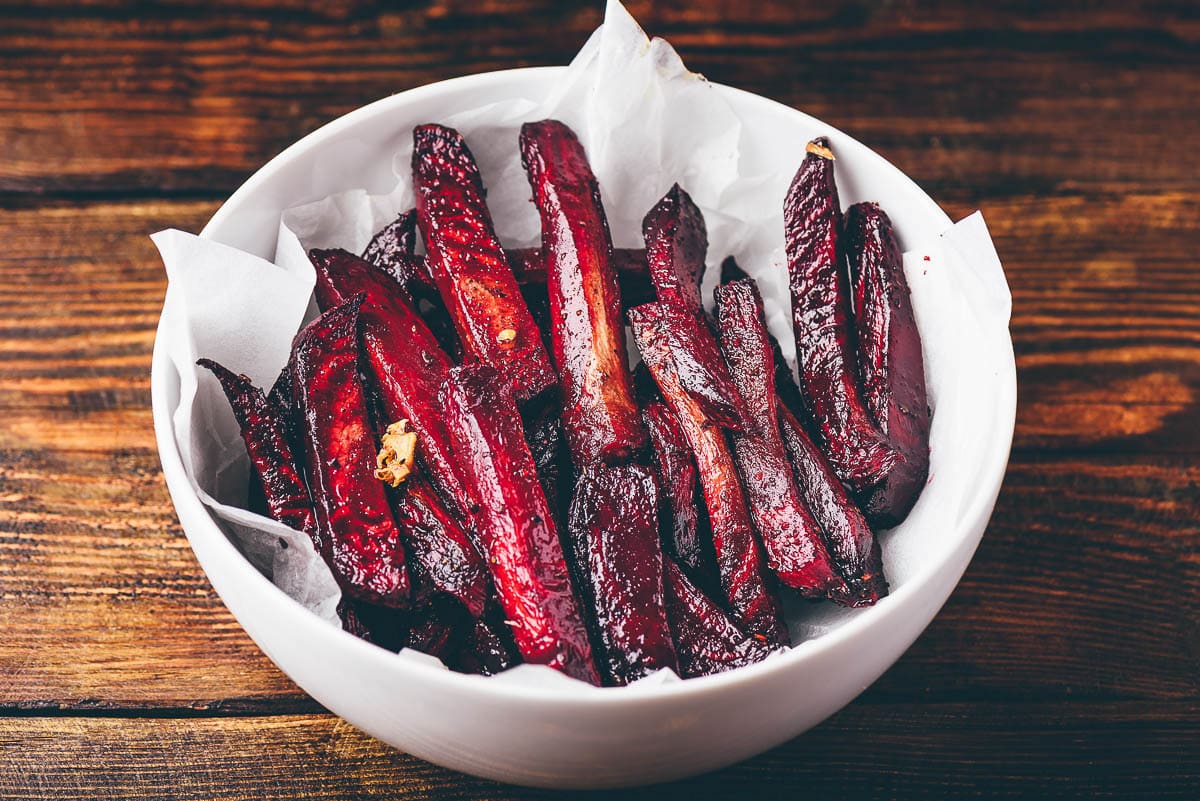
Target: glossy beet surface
[441, 556]
[851, 543]
[820, 318]
[795, 550]
[706, 640]
[469, 266]
[264, 427]
[360, 540]
[676, 243]
[601, 420]
[544, 433]
[677, 485]
[890, 361]
[614, 516]
[740, 563]
[516, 523]
[407, 366]
[392, 249]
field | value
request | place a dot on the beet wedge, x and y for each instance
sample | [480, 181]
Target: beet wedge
[406, 363]
[360, 540]
[852, 545]
[600, 417]
[516, 523]
[442, 557]
[740, 563]
[891, 365]
[791, 536]
[706, 640]
[676, 243]
[393, 249]
[469, 266]
[614, 517]
[820, 318]
[264, 426]
[677, 483]
[486, 648]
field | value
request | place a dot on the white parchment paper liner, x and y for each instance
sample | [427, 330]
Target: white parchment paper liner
[646, 122]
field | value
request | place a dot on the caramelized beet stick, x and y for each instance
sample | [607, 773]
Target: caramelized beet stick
[820, 317]
[677, 480]
[516, 523]
[360, 540]
[676, 243]
[792, 538]
[851, 543]
[600, 417]
[467, 262]
[393, 247]
[706, 640]
[265, 431]
[890, 361]
[614, 516]
[404, 358]
[740, 562]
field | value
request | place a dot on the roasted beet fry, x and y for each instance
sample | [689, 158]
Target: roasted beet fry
[676, 243]
[516, 522]
[469, 266]
[265, 431]
[706, 640]
[486, 647]
[740, 562]
[408, 366]
[600, 417]
[392, 250]
[360, 540]
[851, 543]
[703, 373]
[614, 516]
[677, 484]
[790, 535]
[441, 556]
[890, 362]
[544, 433]
[820, 317]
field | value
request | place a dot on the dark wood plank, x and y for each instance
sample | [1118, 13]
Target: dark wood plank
[1062, 751]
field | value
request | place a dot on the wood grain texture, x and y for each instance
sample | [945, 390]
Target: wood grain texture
[1066, 664]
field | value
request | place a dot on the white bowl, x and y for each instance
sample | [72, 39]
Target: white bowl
[593, 738]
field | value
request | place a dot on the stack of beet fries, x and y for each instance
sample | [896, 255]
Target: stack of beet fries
[461, 436]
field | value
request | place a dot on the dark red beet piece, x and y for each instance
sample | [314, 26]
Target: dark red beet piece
[467, 262]
[544, 433]
[820, 317]
[516, 523]
[265, 431]
[600, 417]
[405, 361]
[360, 540]
[851, 543]
[792, 538]
[740, 562]
[614, 517]
[486, 647]
[676, 243]
[706, 640]
[732, 271]
[890, 361]
[677, 483]
[441, 556]
[392, 250]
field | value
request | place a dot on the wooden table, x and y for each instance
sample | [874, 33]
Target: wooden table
[1067, 664]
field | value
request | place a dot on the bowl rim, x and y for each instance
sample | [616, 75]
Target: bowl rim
[973, 517]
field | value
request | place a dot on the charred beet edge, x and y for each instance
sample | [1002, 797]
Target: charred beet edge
[265, 431]
[442, 557]
[677, 482]
[851, 543]
[544, 433]
[516, 522]
[614, 517]
[676, 242]
[790, 535]
[890, 361]
[820, 317]
[740, 562]
[360, 540]
[601, 420]
[392, 250]
[469, 266]
[706, 640]
[404, 358]
[487, 647]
